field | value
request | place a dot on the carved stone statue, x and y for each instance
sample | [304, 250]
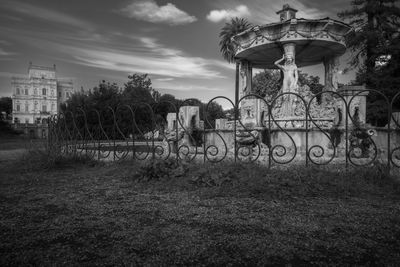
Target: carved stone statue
[290, 73]
[290, 79]
[246, 74]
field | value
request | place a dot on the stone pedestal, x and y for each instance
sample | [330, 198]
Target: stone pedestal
[189, 116]
[171, 120]
[395, 120]
[358, 105]
[220, 124]
[251, 112]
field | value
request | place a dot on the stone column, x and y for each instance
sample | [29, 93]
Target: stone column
[246, 73]
[331, 65]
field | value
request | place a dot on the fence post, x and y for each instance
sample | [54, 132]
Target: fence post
[307, 129]
[388, 139]
[269, 136]
[236, 108]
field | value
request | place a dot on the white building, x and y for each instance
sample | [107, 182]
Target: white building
[38, 95]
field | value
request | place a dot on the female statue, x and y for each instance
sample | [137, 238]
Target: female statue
[290, 73]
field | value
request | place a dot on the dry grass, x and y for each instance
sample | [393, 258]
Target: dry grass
[104, 214]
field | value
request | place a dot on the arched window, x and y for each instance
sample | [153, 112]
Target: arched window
[44, 91]
[26, 91]
[18, 91]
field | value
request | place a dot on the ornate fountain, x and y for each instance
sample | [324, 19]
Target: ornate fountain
[288, 45]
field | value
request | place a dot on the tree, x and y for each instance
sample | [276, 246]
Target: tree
[213, 111]
[227, 47]
[312, 82]
[6, 107]
[105, 95]
[138, 89]
[268, 83]
[376, 24]
[376, 52]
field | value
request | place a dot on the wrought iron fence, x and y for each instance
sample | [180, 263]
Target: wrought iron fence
[142, 131]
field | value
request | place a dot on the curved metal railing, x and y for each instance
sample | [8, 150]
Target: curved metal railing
[142, 131]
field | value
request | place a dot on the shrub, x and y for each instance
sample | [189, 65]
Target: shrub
[161, 169]
[215, 174]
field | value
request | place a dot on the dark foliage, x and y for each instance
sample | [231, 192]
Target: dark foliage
[268, 83]
[6, 107]
[376, 52]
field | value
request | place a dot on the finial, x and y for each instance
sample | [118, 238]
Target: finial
[287, 13]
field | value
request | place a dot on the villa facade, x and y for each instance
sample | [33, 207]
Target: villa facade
[37, 96]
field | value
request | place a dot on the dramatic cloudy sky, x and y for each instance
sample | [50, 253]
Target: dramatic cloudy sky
[174, 41]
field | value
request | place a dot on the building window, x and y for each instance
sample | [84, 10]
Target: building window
[18, 91]
[26, 91]
[18, 107]
[26, 107]
[44, 91]
[52, 92]
[44, 108]
[52, 107]
[59, 94]
[35, 91]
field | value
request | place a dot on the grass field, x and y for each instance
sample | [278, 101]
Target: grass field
[166, 214]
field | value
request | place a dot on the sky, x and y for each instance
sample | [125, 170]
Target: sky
[174, 41]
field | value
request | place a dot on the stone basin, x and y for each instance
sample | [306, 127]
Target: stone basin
[315, 40]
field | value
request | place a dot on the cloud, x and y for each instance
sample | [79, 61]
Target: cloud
[5, 53]
[261, 12]
[45, 14]
[148, 10]
[164, 79]
[146, 55]
[9, 74]
[226, 14]
[187, 88]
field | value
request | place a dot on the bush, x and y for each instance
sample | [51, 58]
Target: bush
[215, 174]
[158, 169]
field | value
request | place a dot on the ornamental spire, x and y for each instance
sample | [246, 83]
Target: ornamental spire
[287, 13]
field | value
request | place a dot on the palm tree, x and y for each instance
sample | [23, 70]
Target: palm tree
[235, 26]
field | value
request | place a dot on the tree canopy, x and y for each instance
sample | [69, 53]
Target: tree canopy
[375, 44]
[138, 89]
[5, 106]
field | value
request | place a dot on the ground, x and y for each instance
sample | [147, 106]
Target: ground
[90, 213]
